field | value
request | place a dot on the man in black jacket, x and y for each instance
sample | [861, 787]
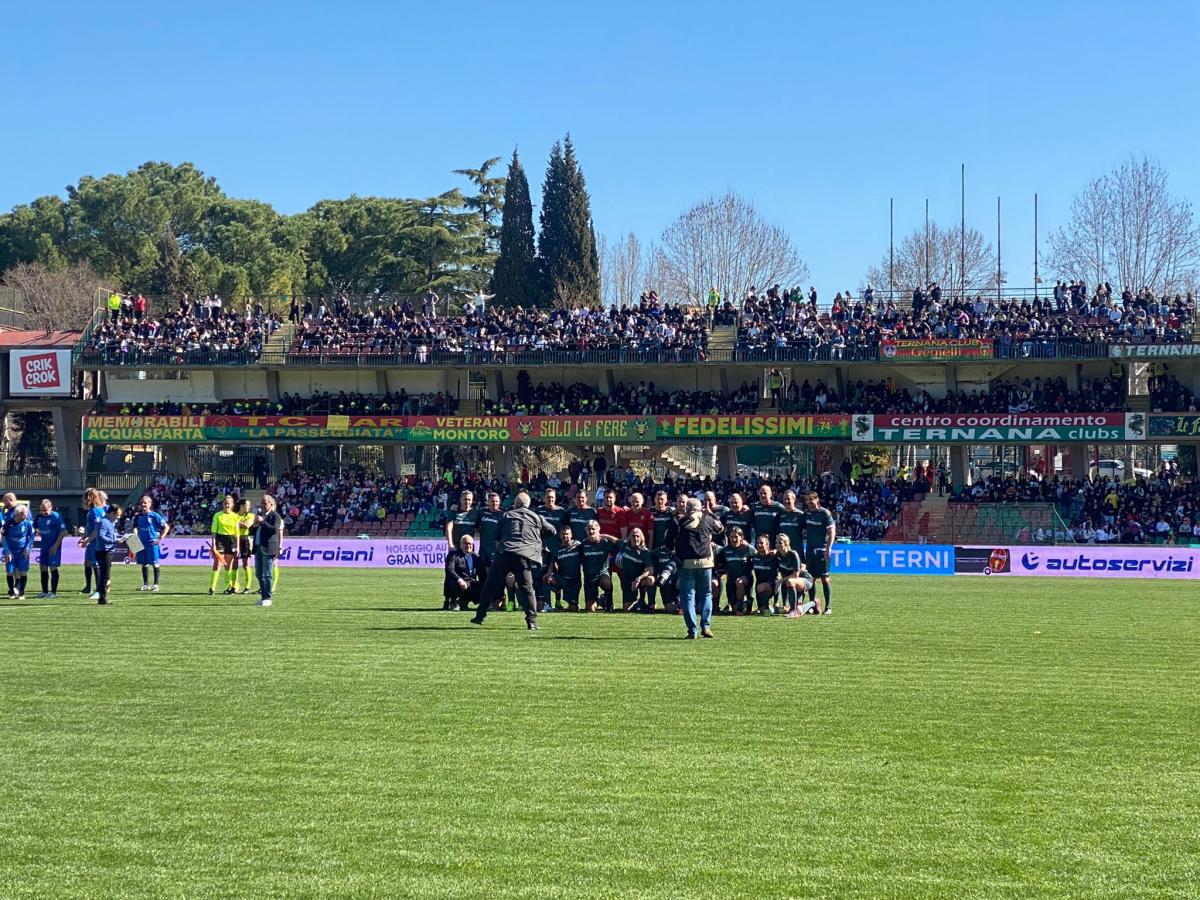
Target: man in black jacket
[462, 575]
[519, 551]
[691, 537]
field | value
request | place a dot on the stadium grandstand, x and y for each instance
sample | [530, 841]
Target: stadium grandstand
[1065, 416]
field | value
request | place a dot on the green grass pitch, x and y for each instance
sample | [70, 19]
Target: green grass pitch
[956, 737]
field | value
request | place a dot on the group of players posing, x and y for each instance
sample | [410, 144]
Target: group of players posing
[771, 555]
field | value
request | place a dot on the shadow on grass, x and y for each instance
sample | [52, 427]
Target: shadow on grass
[418, 628]
[612, 637]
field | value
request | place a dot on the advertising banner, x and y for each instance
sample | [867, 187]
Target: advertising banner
[40, 373]
[459, 429]
[998, 428]
[302, 552]
[861, 559]
[936, 350]
[892, 559]
[1183, 426]
[717, 428]
[1112, 561]
[1154, 351]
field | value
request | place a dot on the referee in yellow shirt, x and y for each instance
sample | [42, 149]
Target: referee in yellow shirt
[224, 545]
[245, 546]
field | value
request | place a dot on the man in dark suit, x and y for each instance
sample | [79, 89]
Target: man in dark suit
[522, 533]
[462, 575]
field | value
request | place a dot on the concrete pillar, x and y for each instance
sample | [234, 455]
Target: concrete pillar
[393, 458]
[497, 384]
[285, 457]
[960, 470]
[839, 374]
[176, 457]
[67, 444]
[726, 460]
[838, 454]
[381, 384]
[608, 384]
[273, 385]
[951, 378]
[1079, 460]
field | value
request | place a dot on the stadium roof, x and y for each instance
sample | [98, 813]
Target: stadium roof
[10, 339]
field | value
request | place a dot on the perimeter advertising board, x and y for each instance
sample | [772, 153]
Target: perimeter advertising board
[1112, 561]
[999, 428]
[861, 559]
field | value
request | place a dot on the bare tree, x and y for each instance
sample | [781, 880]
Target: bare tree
[1126, 228]
[938, 256]
[61, 299]
[622, 268]
[723, 242]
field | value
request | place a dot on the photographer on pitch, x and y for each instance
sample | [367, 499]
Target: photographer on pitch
[519, 551]
[691, 538]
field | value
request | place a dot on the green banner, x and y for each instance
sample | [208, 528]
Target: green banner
[461, 429]
[1185, 426]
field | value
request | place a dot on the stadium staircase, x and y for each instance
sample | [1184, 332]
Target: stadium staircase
[722, 339]
[995, 523]
[280, 342]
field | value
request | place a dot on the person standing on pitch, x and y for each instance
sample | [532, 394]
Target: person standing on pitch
[268, 541]
[691, 536]
[94, 504]
[519, 552]
[819, 533]
[18, 545]
[51, 531]
[103, 543]
[224, 545]
[151, 528]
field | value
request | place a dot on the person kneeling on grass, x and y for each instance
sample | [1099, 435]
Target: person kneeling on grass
[565, 570]
[462, 583]
[794, 580]
[766, 575]
[635, 566]
[733, 563]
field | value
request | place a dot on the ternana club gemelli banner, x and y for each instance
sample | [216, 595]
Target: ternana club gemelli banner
[1085, 560]
[984, 428]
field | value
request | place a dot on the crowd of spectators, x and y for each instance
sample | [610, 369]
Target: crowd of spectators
[1161, 509]
[641, 399]
[1015, 396]
[791, 320]
[396, 403]
[1168, 395]
[401, 329]
[199, 332]
[189, 501]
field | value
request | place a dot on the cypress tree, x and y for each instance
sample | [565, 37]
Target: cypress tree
[582, 274]
[168, 277]
[515, 278]
[552, 242]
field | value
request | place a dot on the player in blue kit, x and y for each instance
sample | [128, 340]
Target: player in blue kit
[18, 545]
[51, 529]
[151, 527]
[95, 504]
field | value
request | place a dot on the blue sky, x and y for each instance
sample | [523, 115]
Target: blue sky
[818, 115]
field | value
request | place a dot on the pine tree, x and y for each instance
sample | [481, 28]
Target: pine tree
[515, 279]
